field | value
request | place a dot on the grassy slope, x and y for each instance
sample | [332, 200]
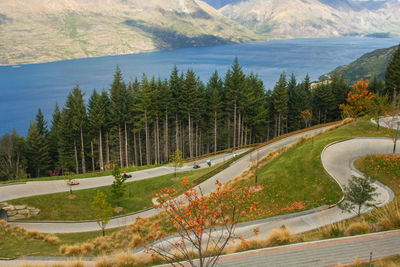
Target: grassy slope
[297, 181]
[138, 197]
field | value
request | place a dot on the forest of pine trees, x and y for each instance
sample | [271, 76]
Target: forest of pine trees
[146, 120]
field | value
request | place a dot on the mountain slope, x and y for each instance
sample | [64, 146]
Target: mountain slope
[316, 18]
[48, 30]
[366, 67]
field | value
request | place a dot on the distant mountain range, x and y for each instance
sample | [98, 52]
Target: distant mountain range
[366, 67]
[317, 18]
[48, 30]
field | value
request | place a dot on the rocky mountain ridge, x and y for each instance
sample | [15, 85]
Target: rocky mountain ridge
[47, 30]
[316, 18]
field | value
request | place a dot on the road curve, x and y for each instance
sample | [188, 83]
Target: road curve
[229, 173]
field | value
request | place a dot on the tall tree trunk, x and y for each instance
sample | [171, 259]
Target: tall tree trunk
[215, 132]
[147, 139]
[126, 147]
[176, 133]
[239, 130]
[82, 153]
[140, 150]
[229, 132]
[166, 148]
[234, 126]
[279, 124]
[190, 138]
[245, 136]
[155, 142]
[197, 139]
[17, 166]
[135, 149]
[158, 142]
[121, 160]
[182, 137]
[91, 149]
[101, 162]
[107, 151]
[276, 126]
[76, 158]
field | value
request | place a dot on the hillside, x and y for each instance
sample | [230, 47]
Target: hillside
[317, 18]
[46, 30]
[367, 66]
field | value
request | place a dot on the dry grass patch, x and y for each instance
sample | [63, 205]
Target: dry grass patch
[357, 228]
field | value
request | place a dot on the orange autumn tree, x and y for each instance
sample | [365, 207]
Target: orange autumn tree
[359, 101]
[204, 224]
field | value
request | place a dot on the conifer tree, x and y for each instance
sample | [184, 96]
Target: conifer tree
[96, 120]
[54, 136]
[37, 151]
[119, 110]
[76, 111]
[41, 124]
[280, 102]
[234, 83]
[214, 95]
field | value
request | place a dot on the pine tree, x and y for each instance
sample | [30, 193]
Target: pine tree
[339, 89]
[214, 96]
[96, 120]
[41, 124]
[119, 110]
[392, 77]
[234, 83]
[294, 105]
[54, 136]
[280, 101]
[76, 111]
[37, 152]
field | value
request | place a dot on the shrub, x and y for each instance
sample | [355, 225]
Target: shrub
[52, 239]
[279, 236]
[389, 216]
[357, 228]
[34, 234]
[333, 230]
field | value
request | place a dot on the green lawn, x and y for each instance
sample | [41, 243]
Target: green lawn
[138, 196]
[79, 176]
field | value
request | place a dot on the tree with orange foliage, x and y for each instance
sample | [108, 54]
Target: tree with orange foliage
[359, 101]
[205, 224]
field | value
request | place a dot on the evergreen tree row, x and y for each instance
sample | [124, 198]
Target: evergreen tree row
[144, 121]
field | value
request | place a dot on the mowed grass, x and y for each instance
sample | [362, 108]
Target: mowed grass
[296, 180]
[79, 176]
[138, 196]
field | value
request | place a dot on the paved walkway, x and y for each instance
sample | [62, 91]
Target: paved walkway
[320, 253]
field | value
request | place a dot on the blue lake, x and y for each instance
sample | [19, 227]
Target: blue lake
[25, 88]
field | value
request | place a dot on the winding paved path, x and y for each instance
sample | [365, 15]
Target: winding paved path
[36, 188]
[337, 159]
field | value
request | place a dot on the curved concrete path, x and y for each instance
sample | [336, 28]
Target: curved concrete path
[10, 192]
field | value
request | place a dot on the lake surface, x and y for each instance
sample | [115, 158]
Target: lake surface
[25, 88]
